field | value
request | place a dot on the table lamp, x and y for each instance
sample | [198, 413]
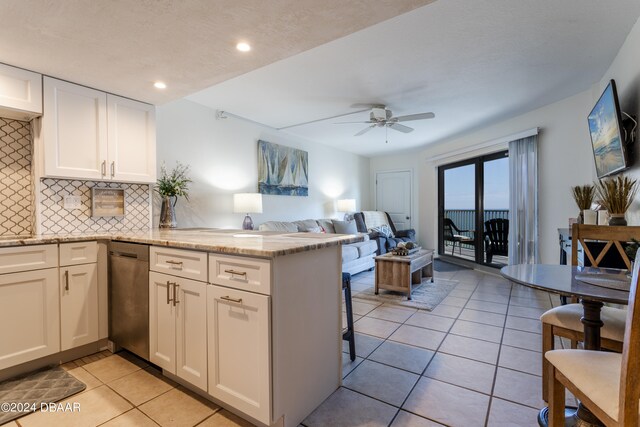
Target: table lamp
[346, 206]
[247, 203]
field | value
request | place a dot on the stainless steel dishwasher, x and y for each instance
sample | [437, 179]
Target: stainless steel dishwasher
[129, 297]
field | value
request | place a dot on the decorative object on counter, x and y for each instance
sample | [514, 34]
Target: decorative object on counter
[170, 187]
[282, 170]
[247, 203]
[603, 217]
[616, 195]
[583, 195]
[348, 206]
[589, 217]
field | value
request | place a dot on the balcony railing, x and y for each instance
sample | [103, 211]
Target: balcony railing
[465, 219]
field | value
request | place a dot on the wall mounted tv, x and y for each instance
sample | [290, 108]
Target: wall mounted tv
[605, 126]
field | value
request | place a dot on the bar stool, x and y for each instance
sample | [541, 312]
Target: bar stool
[348, 335]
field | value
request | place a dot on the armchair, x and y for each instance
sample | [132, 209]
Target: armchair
[367, 220]
[449, 236]
[496, 238]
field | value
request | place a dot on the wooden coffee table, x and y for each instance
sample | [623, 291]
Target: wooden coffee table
[398, 273]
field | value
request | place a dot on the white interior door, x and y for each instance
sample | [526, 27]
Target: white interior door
[393, 195]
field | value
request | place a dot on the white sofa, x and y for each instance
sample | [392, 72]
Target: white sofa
[356, 257]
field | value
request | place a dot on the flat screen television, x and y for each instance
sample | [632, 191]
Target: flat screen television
[605, 125]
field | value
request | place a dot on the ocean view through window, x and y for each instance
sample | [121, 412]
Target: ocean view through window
[470, 193]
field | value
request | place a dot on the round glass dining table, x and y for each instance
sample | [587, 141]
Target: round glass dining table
[561, 279]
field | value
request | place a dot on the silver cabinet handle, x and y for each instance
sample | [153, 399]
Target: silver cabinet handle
[236, 273]
[169, 292]
[66, 280]
[175, 293]
[228, 298]
[104, 167]
[113, 169]
[177, 264]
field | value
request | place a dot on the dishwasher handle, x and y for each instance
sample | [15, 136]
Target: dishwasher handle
[123, 255]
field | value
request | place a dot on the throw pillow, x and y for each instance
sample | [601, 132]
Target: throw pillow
[383, 229]
[345, 227]
[315, 230]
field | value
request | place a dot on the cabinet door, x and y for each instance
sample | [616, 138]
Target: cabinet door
[29, 316]
[74, 130]
[162, 322]
[131, 139]
[20, 93]
[78, 305]
[239, 350]
[191, 331]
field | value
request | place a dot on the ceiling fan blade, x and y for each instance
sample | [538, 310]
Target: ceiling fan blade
[420, 116]
[350, 123]
[365, 130]
[401, 128]
[368, 106]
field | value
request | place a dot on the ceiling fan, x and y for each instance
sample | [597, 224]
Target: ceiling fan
[381, 116]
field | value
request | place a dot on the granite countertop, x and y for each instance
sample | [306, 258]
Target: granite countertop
[266, 244]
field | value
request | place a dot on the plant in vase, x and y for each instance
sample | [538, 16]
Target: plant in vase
[170, 186]
[616, 195]
[583, 195]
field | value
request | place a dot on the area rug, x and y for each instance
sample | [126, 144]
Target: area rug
[425, 296]
[24, 394]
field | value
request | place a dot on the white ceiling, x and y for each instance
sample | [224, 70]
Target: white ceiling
[471, 62]
[123, 46]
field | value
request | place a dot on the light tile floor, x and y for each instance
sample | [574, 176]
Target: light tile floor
[473, 361]
[124, 391]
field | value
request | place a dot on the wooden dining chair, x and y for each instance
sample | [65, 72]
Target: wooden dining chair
[564, 321]
[608, 384]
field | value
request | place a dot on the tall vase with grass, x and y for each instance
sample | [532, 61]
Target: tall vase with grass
[616, 195]
[583, 195]
[170, 186]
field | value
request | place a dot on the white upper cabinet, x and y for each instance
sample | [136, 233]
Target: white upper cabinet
[131, 140]
[90, 134]
[20, 93]
[74, 129]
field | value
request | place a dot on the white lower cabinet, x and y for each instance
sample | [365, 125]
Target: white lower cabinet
[178, 327]
[78, 305]
[239, 350]
[29, 316]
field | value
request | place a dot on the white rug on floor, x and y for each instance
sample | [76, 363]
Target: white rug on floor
[425, 296]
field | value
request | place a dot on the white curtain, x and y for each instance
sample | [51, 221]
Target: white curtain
[523, 201]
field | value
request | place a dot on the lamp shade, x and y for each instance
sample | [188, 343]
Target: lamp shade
[346, 205]
[247, 203]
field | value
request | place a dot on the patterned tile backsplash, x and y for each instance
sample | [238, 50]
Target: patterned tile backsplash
[16, 181]
[57, 219]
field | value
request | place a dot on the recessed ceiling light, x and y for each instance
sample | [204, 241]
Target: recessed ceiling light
[160, 85]
[243, 47]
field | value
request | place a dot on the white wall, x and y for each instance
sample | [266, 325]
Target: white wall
[565, 155]
[625, 70]
[222, 155]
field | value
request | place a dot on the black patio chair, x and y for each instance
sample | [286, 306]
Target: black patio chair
[449, 235]
[496, 238]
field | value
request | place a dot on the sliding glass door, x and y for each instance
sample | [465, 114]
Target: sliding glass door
[471, 193]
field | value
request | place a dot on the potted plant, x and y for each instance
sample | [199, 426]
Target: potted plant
[170, 187]
[583, 195]
[616, 195]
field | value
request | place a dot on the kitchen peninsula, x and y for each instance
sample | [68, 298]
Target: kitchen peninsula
[249, 311]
